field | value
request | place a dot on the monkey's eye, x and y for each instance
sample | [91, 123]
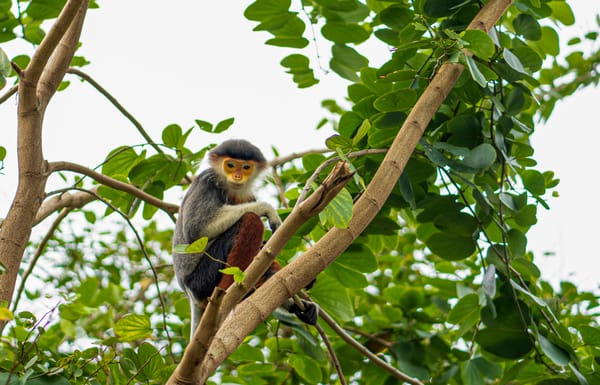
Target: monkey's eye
[246, 166]
[229, 165]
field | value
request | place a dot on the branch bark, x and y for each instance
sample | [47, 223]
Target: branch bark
[169, 208]
[36, 84]
[243, 319]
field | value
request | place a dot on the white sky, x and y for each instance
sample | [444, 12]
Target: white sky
[199, 60]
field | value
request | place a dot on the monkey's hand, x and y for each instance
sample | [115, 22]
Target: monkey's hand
[274, 221]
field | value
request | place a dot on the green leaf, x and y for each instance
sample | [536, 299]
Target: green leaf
[298, 67]
[363, 130]
[528, 57]
[223, 125]
[34, 33]
[150, 359]
[120, 161]
[171, 135]
[441, 8]
[400, 100]
[263, 9]
[406, 190]
[504, 342]
[335, 142]
[562, 11]
[133, 327]
[347, 276]
[339, 211]
[291, 42]
[513, 61]
[464, 308]
[343, 33]
[475, 73]
[295, 61]
[332, 297]
[204, 125]
[470, 374]
[2, 153]
[198, 246]
[359, 258]
[348, 124]
[590, 335]
[396, 17]
[527, 26]
[556, 354]
[479, 43]
[481, 157]
[458, 223]
[549, 43]
[45, 9]
[5, 67]
[307, 368]
[451, 247]
[245, 352]
[534, 182]
[6, 314]
[236, 272]
[346, 62]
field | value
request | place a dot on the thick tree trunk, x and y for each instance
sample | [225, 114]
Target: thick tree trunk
[37, 83]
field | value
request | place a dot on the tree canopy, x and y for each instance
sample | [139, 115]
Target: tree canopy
[413, 217]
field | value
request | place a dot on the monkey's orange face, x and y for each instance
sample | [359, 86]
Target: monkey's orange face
[238, 171]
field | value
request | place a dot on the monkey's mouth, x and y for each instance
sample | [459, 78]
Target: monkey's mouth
[236, 185]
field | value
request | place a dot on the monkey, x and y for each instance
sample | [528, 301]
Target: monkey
[221, 206]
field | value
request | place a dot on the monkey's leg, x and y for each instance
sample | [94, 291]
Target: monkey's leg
[246, 245]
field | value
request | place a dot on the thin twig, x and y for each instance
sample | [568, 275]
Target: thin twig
[295, 155]
[169, 208]
[328, 162]
[146, 257]
[280, 188]
[334, 359]
[119, 106]
[366, 352]
[11, 91]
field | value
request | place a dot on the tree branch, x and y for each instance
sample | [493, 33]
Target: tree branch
[366, 352]
[65, 200]
[38, 253]
[328, 162]
[295, 155]
[51, 40]
[169, 208]
[59, 61]
[306, 267]
[10, 92]
[33, 171]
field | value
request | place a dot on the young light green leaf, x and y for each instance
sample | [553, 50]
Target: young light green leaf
[133, 327]
[362, 131]
[339, 211]
[236, 272]
[5, 67]
[198, 246]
